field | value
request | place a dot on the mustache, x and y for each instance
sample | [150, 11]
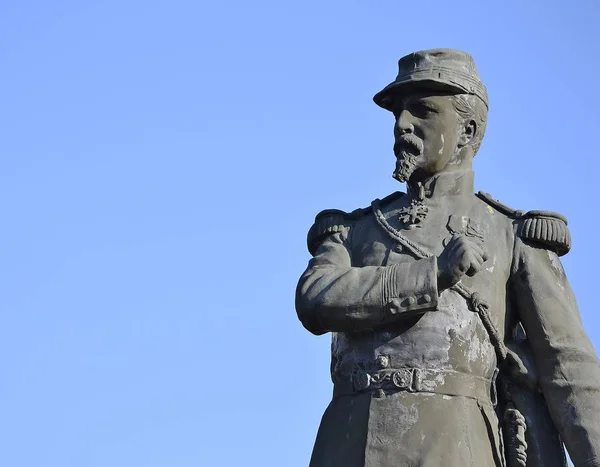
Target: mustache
[408, 143]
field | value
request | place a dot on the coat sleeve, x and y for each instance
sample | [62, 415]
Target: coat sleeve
[333, 295]
[569, 371]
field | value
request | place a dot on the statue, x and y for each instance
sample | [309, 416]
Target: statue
[456, 338]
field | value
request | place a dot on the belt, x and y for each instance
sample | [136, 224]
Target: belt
[448, 382]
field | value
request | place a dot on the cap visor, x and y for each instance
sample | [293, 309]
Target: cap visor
[396, 90]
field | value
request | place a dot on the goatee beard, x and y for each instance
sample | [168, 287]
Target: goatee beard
[406, 164]
[407, 148]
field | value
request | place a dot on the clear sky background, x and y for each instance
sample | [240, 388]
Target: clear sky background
[161, 163]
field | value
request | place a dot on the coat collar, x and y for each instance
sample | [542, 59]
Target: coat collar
[460, 183]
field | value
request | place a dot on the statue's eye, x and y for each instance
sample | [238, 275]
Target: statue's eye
[423, 109]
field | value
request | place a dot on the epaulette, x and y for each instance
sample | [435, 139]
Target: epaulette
[330, 221]
[326, 223]
[544, 228]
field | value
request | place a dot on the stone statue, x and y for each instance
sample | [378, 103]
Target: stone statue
[456, 339]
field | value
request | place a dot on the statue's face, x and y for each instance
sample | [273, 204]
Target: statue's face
[427, 132]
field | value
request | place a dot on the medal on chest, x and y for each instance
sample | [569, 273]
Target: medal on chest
[412, 216]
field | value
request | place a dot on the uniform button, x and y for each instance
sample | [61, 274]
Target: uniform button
[382, 362]
[426, 298]
[411, 301]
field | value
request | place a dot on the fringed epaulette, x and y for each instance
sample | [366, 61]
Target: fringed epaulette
[544, 228]
[330, 221]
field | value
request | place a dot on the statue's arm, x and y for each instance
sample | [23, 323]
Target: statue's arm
[332, 295]
[568, 368]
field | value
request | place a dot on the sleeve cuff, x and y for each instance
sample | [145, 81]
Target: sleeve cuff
[411, 287]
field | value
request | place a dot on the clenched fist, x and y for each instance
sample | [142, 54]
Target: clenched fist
[461, 256]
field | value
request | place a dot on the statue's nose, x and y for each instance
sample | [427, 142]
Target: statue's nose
[404, 122]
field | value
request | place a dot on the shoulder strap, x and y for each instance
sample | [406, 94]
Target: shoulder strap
[498, 206]
[544, 228]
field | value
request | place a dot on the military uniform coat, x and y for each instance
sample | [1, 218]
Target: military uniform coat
[413, 369]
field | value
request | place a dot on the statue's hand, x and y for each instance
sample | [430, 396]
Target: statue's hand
[461, 256]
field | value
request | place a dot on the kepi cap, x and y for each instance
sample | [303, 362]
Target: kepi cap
[437, 69]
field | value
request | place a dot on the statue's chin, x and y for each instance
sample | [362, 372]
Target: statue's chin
[405, 166]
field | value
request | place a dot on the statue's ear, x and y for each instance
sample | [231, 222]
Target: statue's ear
[469, 131]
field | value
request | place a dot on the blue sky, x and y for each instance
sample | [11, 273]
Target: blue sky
[161, 164]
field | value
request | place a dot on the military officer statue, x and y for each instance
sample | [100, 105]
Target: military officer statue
[456, 337]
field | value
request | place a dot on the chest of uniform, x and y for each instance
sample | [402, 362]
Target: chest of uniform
[384, 244]
[378, 245]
